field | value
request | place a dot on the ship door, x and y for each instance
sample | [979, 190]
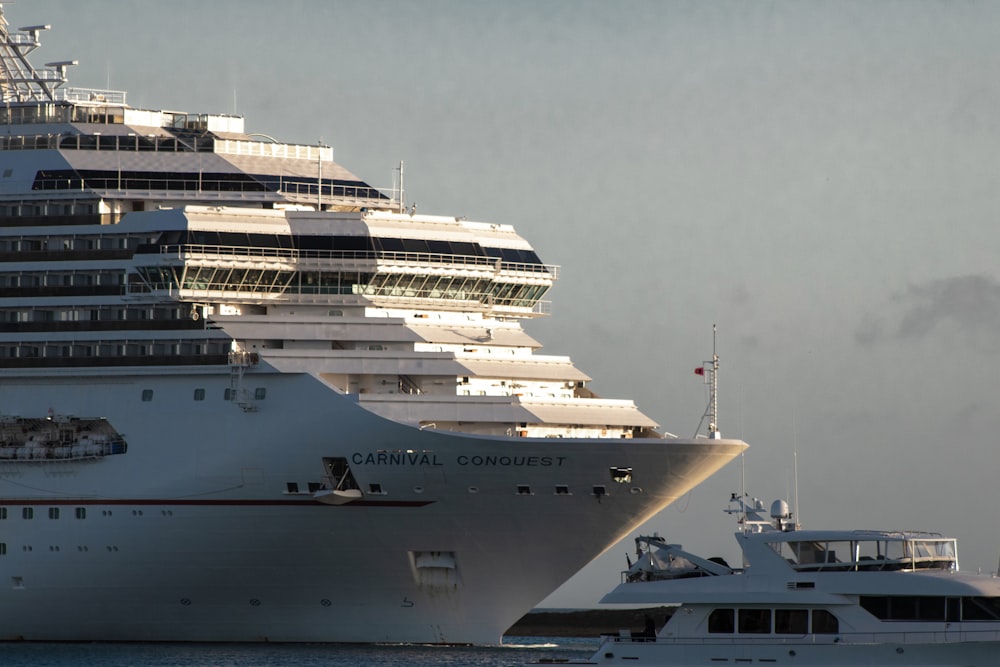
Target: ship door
[338, 475]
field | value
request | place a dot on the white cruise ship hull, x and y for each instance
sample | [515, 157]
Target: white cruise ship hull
[194, 534]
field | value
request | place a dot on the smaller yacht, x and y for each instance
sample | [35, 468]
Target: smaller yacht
[808, 597]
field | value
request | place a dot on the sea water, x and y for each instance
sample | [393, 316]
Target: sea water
[515, 651]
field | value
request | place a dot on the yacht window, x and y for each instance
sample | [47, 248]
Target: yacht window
[824, 623]
[980, 609]
[755, 621]
[909, 607]
[931, 608]
[791, 621]
[876, 605]
[721, 621]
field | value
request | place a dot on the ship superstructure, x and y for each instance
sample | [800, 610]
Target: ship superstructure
[245, 395]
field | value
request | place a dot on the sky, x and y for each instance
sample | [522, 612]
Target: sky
[818, 179]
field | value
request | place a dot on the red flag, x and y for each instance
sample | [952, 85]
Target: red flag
[699, 371]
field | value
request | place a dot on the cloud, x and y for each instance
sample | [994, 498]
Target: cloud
[969, 303]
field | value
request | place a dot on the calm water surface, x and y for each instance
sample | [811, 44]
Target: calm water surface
[515, 651]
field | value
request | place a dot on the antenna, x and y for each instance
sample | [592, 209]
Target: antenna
[711, 369]
[713, 426]
[402, 190]
[319, 174]
[795, 465]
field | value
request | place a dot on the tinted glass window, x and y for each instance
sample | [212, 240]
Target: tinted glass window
[825, 623]
[391, 245]
[722, 621]
[755, 621]
[791, 621]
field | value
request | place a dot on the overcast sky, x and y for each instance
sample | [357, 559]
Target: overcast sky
[820, 179]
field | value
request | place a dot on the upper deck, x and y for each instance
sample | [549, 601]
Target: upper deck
[857, 550]
[69, 144]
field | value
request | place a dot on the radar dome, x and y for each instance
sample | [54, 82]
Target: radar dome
[779, 509]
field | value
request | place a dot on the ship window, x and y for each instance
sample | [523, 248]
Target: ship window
[391, 245]
[791, 621]
[147, 395]
[228, 394]
[824, 623]
[292, 487]
[28, 513]
[260, 393]
[755, 621]
[600, 490]
[3, 513]
[53, 512]
[721, 621]
[562, 490]
[81, 512]
[3, 548]
[199, 394]
[523, 490]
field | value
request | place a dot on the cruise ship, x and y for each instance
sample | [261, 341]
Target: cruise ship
[246, 396]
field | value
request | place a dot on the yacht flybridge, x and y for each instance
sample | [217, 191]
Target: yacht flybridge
[809, 597]
[246, 396]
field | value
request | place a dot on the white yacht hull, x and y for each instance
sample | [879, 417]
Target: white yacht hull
[970, 649]
[194, 535]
